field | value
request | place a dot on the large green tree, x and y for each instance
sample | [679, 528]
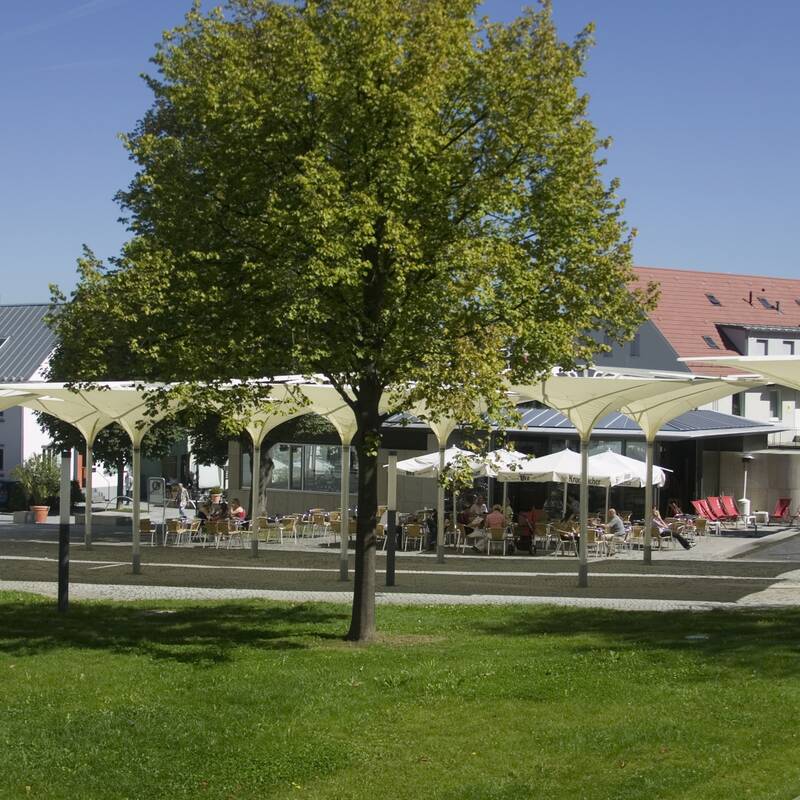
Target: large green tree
[387, 192]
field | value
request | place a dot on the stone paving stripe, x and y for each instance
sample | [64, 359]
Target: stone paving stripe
[84, 591]
[442, 573]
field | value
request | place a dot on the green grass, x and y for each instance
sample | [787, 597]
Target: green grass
[251, 700]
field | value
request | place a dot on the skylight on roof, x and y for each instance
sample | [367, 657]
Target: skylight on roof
[765, 303]
[713, 300]
[3, 340]
[711, 343]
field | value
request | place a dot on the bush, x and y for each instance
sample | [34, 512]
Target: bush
[39, 478]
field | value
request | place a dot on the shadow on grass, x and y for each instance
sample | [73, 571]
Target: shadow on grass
[200, 633]
[763, 640]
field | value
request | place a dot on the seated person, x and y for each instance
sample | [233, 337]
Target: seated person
[615, 527]
[237, 512]
[660, 526]
[495, 518]
[573, 509]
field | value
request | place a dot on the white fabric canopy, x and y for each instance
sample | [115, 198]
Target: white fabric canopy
[609, 461]
[427, 466]
[563, 467]
[784, 370]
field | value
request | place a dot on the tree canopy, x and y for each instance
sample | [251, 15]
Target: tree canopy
[391, 193]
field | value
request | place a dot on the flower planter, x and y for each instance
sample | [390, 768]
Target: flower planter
[40, 513]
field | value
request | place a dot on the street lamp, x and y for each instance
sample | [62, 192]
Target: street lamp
[744, 502]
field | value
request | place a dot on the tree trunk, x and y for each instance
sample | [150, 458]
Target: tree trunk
[362, 624]
[120, 482]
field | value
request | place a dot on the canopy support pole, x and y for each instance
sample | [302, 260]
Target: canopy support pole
[583, 566]
[440, 508]
[564, 501]
[136, 557]
[391, 519]
[345, 517]
[87, 515]
[255, 478]
[608, 489]
[648, 502]
[63, 534]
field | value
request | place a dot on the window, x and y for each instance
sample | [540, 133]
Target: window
[788, 347]
[765, 303]
[2, 465]
[774, 404]
[3, 340]
[607, 341]
[711, 343]
[762, 347]
[635, 449]
[635, 346]
[309, 467]
[737, 404]
[712, 299]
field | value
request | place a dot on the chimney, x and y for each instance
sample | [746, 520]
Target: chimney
[778, 306]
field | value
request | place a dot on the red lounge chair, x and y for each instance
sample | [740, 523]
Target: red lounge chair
[702, 509]
[729, 505]
[781, 512]
[715, 504]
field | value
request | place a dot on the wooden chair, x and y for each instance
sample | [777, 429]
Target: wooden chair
[266, 531]
[209, 531]
[380, 536]
[565, 541]
[146, 528]
[175, 530]
[412, 533]
[287, 528]
[496, 536]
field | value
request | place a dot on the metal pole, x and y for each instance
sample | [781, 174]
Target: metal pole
[87, 516]
[391, 518]
[440, 510]
[564, 501]
[63, 535]
[136, 558]
[583, 565]
[255, 479]
[345, 518]
[648, 503]
[608, 489]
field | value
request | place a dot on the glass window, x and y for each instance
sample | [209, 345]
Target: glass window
[636, 450]
[296, 467]
[280, 455]
[762, 347]
[774, 404]
[323, 467]
[1, 459]
[788, 347]
[737, 404]
[635, 346]
[246, 469]
[601, 445]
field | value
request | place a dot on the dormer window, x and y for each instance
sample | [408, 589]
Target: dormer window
[765, 303]
[713, 300]
[711, 343]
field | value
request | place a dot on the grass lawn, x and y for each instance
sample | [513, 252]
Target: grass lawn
[255, 699]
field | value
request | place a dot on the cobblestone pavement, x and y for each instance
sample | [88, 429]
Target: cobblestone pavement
[700, 579]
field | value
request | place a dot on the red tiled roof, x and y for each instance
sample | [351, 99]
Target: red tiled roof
[685, 314]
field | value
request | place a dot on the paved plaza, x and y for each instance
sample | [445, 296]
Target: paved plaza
[720, 572]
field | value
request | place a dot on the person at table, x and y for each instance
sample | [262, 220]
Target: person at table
[615, 528]
[660, 526]
[495, 518]
[237, 513]
[674, 509]
[573, 509]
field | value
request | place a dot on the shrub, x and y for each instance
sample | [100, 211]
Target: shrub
[39, 478]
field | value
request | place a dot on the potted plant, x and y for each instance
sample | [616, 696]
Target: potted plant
[39, 478]
[215, 493]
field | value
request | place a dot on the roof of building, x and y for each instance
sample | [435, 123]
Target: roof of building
[690, 425]
[693, 303]
[25, 341]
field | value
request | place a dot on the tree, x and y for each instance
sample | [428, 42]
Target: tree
[386, 192]
[86, 352]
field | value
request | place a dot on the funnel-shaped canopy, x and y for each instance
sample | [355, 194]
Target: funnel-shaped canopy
[784, 370]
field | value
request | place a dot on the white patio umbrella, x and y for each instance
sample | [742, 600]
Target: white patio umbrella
[427, 466]
[563, 466]
[609, 460]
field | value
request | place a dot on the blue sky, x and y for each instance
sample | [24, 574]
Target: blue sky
[700, 97]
